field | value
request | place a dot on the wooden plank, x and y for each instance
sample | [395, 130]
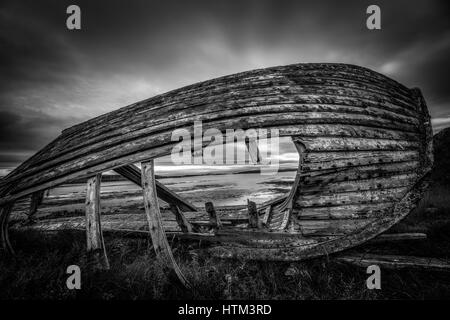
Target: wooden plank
[5, 212]
[184, 224]
[316, 161]
[392, 237]
[323, 177]
[397, 181]
[36, 200]
[347, 198]
[395, 262]
[133, 173]
[253, 150]
[346, 144]
[154, 218]
[331, 227]
[353, 211]
[213, 217]
[95, 242]
[266, 217]
[253, 216]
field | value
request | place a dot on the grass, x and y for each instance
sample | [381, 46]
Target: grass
[39, 269]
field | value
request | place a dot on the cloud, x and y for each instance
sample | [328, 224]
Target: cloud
[51, 78]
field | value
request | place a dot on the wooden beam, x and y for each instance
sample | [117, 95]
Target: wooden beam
[36, 200]
[266, 216]
[395, 262]
[5, 212]
[253, 217]
[389, 237]
[253, 150]
[95, 243]
[133, 173]
[213, 217]
[154, 218]
[183, 223]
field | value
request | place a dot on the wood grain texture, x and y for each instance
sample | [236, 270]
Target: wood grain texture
[133, 173]
[364, 142]
[5, 212]
[296, 95]
[297, 251]
[396, 262]
[157, 233]
[94, 236]
[36, 200]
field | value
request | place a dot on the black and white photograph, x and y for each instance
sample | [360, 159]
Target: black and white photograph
[224, 151]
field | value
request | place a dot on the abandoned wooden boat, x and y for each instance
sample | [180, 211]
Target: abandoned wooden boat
[364, 142]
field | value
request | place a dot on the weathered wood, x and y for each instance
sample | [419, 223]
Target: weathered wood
[184, 224]
[94, 236]
[317, 161]
[345, 211]
[159, 240]
[376, 100]
[336, 244]
[356, 197]
[332, 227]
[390, 237]
[361, 173]
[253, 216]
[366, 141]
[213, 217]
[5, 212]
[133, 173]
[36, 200]
[396, 262]
[253, 150]
[266, 216]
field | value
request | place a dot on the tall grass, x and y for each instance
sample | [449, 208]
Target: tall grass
[39, 272]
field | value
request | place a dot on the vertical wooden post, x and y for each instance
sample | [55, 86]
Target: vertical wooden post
[266, 216]
[253, 218]
[253, 150]
[5, 211]
[36, 200]
[95, 243]
[213, 218]
[184, 224]
[154, 218]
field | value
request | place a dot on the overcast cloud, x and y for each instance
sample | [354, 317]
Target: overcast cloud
[52, 78]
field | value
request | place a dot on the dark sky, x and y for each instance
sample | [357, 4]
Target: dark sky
[52, 78]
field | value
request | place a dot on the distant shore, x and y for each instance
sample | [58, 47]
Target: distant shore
[116, 177]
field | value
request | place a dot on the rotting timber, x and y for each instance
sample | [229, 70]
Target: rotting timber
[364, 140]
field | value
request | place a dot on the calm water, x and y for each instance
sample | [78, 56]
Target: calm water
[226, 189]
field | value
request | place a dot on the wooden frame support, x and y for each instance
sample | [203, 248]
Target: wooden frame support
[183, 223]
[253, 150]
[94, 236]
[253, 216]
[395, 262]
[154, 218]
[36, 200]
[5, 212]
[213, 217]
[133, 173]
